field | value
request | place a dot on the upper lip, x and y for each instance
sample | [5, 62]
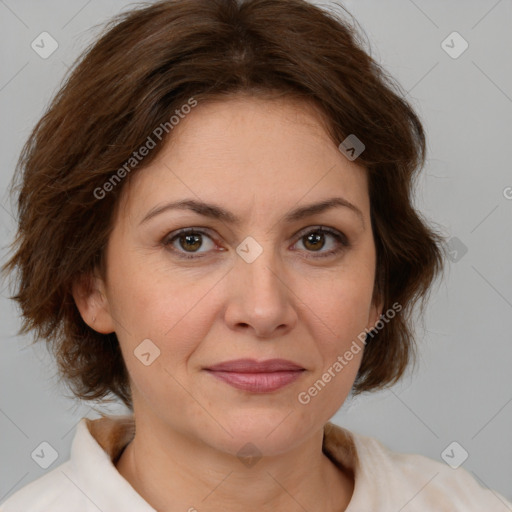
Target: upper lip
[253, 366]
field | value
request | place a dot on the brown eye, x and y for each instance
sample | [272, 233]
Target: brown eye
[190, 242]
[317, 239]
[314, 241]
[187, 242]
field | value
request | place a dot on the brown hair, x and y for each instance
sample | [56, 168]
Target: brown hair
[148, 63]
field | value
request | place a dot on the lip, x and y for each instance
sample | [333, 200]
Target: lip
[257, 376]
[253, 366]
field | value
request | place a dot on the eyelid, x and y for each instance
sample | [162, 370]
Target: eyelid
[173, 235]
[319, 227]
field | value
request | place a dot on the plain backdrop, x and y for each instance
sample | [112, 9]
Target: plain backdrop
[462, 388]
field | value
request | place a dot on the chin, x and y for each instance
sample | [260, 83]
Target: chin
[271, 432]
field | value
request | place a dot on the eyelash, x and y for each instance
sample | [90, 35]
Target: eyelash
[340, 238]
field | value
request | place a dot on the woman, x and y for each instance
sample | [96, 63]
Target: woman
[216, 227]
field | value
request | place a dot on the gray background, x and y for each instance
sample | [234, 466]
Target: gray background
[462, 388]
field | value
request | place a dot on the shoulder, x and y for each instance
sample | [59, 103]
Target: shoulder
[89, 480]
[419, 483]
[410, 482]
[53, 491]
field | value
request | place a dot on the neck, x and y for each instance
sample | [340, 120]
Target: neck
[173, 472]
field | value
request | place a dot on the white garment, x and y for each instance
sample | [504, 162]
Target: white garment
[385, 481]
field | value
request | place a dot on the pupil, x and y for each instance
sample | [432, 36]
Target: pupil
[315, 238]
[192, 240]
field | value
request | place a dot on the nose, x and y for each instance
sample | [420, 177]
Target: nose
[260, 298]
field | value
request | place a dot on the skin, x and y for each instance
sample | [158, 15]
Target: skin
[259, 159]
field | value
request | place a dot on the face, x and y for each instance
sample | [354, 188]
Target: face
[257, 276]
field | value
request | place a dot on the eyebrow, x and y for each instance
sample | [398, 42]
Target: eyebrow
[216, 212]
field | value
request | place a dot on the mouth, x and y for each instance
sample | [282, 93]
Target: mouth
[257, 377]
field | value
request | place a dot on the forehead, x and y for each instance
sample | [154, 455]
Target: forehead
[247, 153]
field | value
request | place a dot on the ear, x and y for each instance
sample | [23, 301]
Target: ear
[90, 298]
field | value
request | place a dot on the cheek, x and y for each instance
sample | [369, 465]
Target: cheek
[339, 309]
[165, 307]
[176, 316]
[342, 303]
[340, 320]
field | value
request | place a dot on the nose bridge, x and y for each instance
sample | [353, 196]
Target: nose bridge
[258, 264]
[260, 296]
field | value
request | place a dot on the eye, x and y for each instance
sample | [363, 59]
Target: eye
[314, 241]
[188, 240]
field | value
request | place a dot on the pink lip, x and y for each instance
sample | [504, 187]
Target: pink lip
[257, 377]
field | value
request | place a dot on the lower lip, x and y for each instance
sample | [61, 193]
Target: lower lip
[258, 382]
